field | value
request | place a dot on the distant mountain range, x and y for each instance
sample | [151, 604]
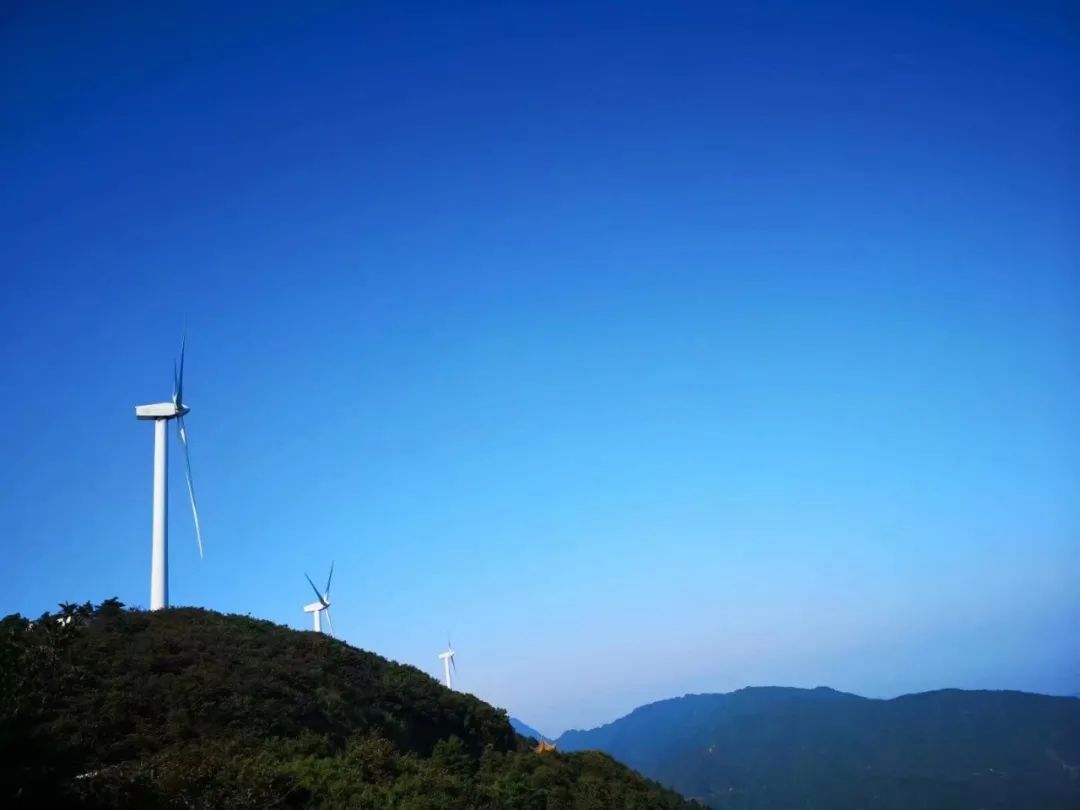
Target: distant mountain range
[524, 730]
[775, 747]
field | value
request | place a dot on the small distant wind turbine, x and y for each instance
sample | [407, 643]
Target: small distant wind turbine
[323, 604]
[161, 413]
[447, 659]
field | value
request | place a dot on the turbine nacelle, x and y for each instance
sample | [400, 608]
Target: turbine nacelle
[323, 605]
[160, 413]
[161, 410]
[447, 658]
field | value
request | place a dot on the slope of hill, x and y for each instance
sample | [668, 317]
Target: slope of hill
[773, 747]
[189, 708]
[523, 729]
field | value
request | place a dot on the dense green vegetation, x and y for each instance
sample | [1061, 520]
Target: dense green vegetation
[187, 708]
[766, 748]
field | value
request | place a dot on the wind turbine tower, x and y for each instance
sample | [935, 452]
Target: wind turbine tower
[447, 659]
[160, 413]
[323, 603]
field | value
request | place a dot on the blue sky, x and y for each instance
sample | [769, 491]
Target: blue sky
[643, 349]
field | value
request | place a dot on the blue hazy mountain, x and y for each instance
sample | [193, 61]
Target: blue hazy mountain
[524, 730]
[775, 747]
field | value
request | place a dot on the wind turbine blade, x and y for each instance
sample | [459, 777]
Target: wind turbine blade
[453, 665]
[190, 486]
[318, 595]
[175, 383]
[330, 622]
[329, 578]
[179, 398]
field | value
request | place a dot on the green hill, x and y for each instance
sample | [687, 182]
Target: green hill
[772, 747]
[188, 708]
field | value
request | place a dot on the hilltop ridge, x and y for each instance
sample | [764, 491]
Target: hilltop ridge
[192, 708]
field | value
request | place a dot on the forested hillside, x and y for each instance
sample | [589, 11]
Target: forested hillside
[189, 708]
[770, 747]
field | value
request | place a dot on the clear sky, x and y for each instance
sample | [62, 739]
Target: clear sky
[643, 349]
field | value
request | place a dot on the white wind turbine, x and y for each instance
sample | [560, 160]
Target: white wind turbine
[323, 604]
[161, 413]
[447, 659]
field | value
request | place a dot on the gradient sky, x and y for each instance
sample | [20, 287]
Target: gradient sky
[645, 350]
